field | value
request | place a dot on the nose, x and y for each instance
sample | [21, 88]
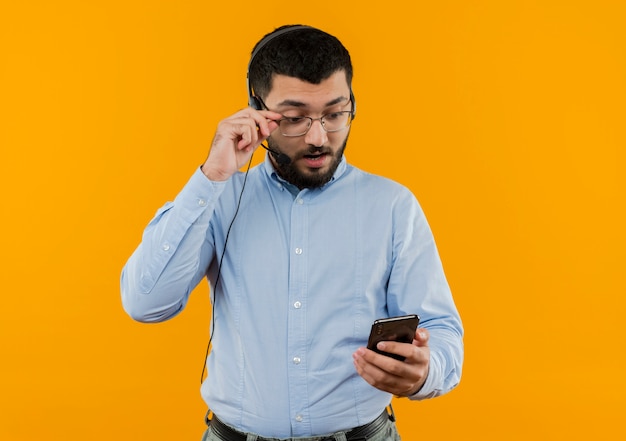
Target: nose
[316, 135]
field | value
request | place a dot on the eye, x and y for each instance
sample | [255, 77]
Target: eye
[333, 116]
[293, 119]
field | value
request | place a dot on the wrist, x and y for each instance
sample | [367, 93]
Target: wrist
[212, 174]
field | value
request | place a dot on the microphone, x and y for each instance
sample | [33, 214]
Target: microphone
[281, 158]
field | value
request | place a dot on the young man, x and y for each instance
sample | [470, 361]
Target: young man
[302, 253]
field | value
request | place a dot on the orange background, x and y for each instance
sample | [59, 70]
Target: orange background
[506, 118]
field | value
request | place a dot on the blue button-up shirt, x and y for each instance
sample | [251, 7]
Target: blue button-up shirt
[303, 276]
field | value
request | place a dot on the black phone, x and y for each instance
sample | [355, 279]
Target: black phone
[401, 329]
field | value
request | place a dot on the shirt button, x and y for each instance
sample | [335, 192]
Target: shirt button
[296, 360]
[299, 201]
[299, 418]
[166, 247]
[297, 305]
[298, 250]
[201, 202]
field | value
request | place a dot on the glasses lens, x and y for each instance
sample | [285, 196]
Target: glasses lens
[299, 125]
[295, 126]
[334, 122]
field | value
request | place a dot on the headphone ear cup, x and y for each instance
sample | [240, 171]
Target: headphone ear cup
[255, 103]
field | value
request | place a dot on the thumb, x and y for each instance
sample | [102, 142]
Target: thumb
[421, 337]
[271, 125]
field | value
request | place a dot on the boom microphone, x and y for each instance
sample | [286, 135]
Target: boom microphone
[281, 158]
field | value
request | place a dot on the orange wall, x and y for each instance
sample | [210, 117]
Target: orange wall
[506, 118]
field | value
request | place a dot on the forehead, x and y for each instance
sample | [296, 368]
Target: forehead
[289, 91]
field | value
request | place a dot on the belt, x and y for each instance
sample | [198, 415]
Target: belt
[360, 433]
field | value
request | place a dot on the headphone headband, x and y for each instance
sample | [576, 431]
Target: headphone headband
[253, 101]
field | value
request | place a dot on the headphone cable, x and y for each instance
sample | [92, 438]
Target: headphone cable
[219, 272]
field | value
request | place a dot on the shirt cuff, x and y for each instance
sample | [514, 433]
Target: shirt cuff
[199, 194]
[429, 388]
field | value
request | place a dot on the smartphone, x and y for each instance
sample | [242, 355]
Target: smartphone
[401, 329]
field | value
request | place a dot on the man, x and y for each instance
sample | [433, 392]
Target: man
[303, 253]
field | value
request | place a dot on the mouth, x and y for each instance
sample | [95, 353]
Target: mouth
[315, 160]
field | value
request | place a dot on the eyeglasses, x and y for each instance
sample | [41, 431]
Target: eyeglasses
[292, 126]
[299, 125]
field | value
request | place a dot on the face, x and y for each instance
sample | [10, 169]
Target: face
[316, 155]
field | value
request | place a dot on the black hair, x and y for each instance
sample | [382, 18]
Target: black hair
[306, 53]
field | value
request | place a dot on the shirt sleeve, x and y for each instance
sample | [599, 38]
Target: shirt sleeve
[173, 255]
[418, 285]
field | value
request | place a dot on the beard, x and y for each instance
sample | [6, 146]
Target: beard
[315, 178]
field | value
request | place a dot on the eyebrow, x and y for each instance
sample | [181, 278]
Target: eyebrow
[294, 103]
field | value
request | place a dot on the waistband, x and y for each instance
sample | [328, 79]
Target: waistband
[360, 433]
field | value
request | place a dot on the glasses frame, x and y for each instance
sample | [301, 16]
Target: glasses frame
[311, 120]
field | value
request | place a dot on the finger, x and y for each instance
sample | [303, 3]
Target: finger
[405, 350]
[263, 120]
[242, 130]
[378, 376]
[259, 115]
[243, 134]
[367, 363]
[266, 129]
[266, 121]
[381, 362]
[421, 337]
[261, 125]
[269, 115]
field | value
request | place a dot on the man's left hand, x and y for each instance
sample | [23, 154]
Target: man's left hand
[401, 378]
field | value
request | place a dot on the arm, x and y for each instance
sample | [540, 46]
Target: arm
[176, 250]
[417, 284]
[174, 254]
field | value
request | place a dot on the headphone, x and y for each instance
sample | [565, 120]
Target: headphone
[253, 100]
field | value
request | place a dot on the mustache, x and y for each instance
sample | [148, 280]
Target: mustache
[316, 150]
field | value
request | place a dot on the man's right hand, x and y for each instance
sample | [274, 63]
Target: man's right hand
[236, 139]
